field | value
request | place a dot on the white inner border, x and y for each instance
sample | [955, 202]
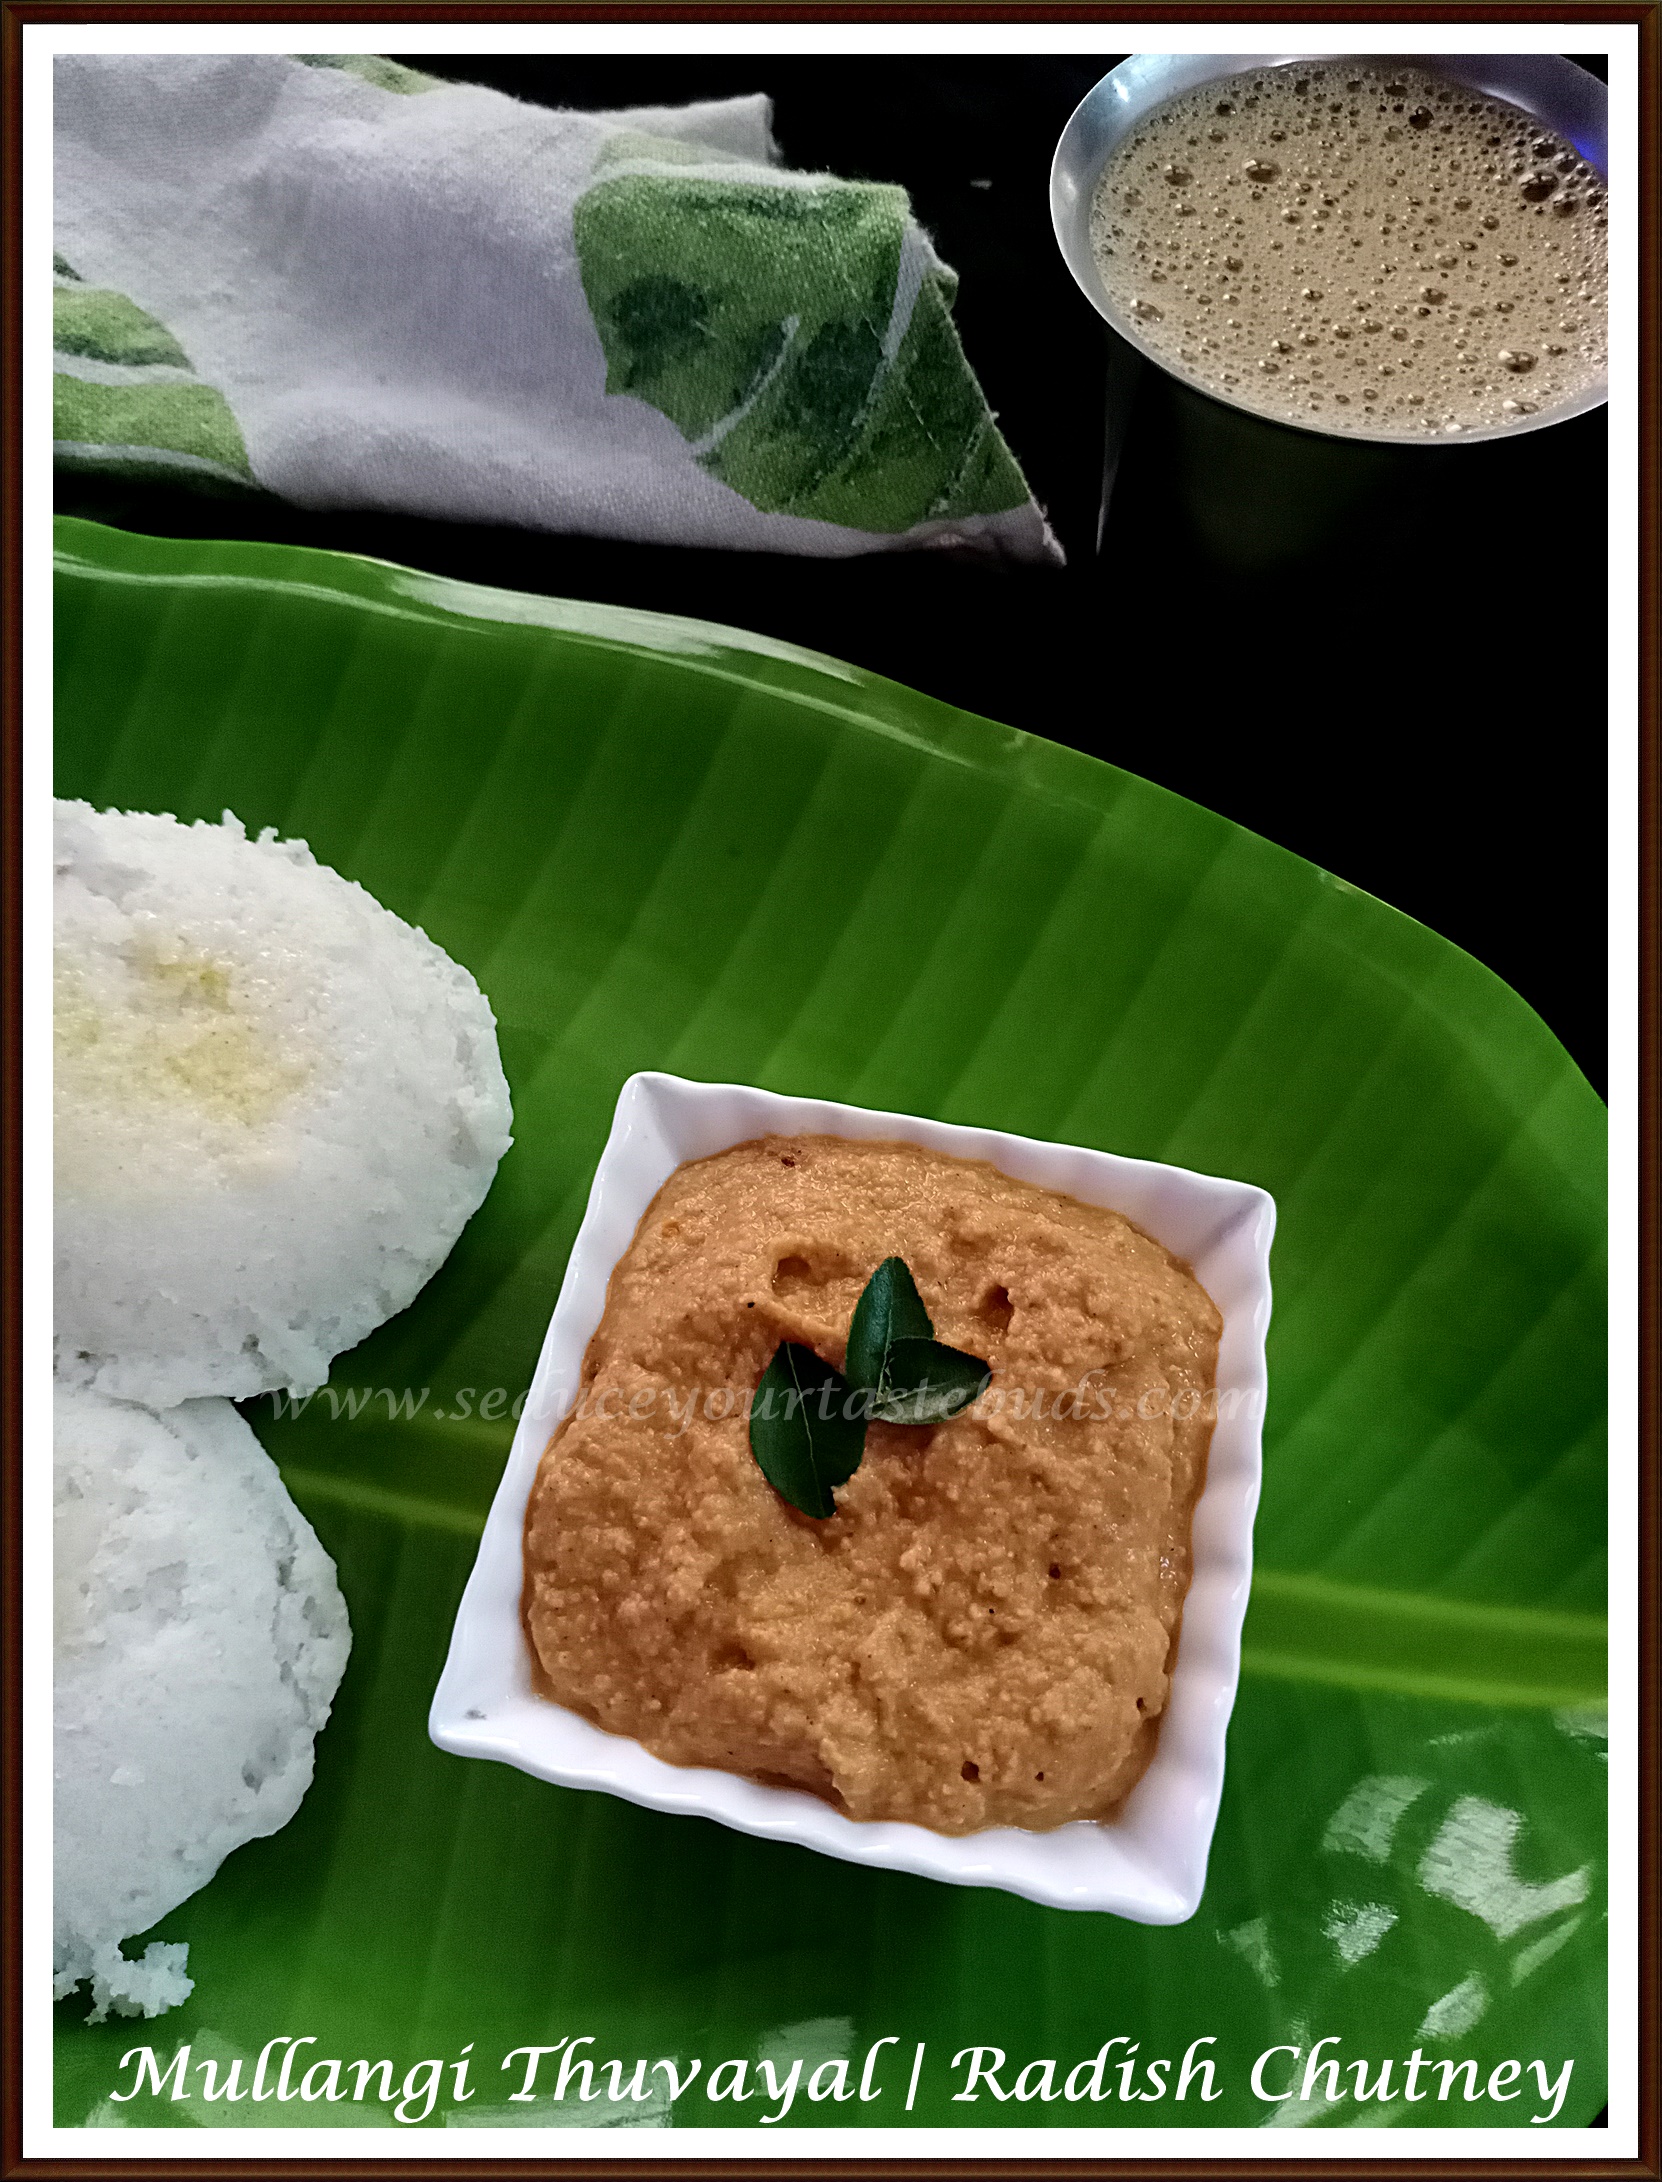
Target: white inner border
[1620, 42]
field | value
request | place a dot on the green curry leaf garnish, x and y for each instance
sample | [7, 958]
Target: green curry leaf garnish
[807, 1428]
[808, 1420]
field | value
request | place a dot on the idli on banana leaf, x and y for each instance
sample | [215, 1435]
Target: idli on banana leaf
[200, 1637]
[276, 1106]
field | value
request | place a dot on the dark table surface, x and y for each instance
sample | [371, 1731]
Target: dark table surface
[1392, 663]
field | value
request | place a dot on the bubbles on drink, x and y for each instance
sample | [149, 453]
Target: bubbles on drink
[1359, 248]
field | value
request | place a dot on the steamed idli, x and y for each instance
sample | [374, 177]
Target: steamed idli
[276, 1106]
[199, 1640]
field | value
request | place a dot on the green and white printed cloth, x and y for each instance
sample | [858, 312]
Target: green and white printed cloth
[350, 285]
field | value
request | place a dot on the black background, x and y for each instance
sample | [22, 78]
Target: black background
[1390, 661]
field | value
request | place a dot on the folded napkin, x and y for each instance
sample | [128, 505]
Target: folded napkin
[348, 284]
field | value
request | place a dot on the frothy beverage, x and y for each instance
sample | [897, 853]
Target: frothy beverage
[1359, 247]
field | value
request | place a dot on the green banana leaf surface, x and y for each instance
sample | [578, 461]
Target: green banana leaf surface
[661, 844]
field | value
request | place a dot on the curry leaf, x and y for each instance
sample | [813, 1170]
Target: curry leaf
[925, 1382]
[807, 1428]
[808, 1421]
[889, 1310]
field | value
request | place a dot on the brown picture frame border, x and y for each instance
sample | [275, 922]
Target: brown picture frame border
[15, 16]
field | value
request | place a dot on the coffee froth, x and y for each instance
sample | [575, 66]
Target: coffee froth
[1359, 247]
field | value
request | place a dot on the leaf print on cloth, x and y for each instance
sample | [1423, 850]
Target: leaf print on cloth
[375, 68]
[102, 323]
[125, 400]
[800, 338]
[672, 151]
[142, 429]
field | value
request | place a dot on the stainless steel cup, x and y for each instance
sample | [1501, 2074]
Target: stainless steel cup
[1281, 482]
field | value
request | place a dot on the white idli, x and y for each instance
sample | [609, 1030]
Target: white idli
[276, 1106]
[200, 1637]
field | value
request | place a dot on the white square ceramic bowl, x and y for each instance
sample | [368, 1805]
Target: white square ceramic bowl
[1148, 1862]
